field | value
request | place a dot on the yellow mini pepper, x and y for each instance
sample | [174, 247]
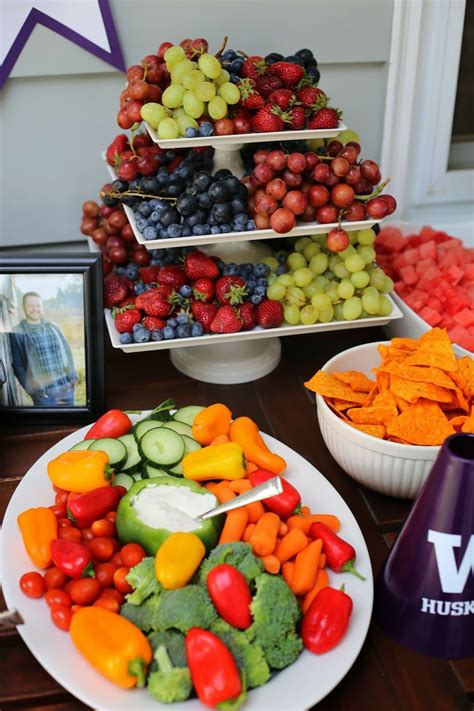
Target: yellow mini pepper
[221, 461]
[80, 470]
[178, 558]
[38, 528]
[211, 422]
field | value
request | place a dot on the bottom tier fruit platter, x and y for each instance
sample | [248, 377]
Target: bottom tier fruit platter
[136, 599]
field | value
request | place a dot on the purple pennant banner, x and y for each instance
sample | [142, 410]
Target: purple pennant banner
[68, 18]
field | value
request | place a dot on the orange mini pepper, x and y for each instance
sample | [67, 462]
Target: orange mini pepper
[80, 470]
[245, 431]
[211, 422]
[114, 646]
[38, 528]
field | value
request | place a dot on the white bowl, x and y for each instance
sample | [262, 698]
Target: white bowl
[390, 468]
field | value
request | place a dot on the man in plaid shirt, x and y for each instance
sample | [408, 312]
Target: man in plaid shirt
[42, 358]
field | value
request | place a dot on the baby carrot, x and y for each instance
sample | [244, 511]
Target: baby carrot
[322, 581]
[211, 485]
[223, 492]
[283, 530]
[305, 522]
[290, 545]
[264, 537]
[322, 560]
[249, 529]
[250, 467]
[255, 511]
[288, 570]
[240, 486]
[306, 568]
[220, 439]
[271, 563]
[234, 526]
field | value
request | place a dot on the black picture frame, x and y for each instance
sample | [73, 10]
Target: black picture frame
[90, 266]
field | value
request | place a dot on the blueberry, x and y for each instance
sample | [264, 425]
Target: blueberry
[137, 327]
[186, 204]
[162, 179]
[305, 54]
[162, 159]
[199, 230]
[260, 290]
[139, 288]
[175, 230]
[163, 233]
[240, 227]
[142, 336]
[256, 299]
[281, 270]
[206, 129]
[149, 286]
[282, 258]
[150, 233]
[261, 281]
[155, 204]
[168, 333]
[171, 322]
[170, 155]
[221, 212]
[229, 55]
[191, 132]
[251, 284]
[186, 231]
[207, 228]
[236, 65]
[156, 335]
[196, 329]
[183, 331]
[156, 262]
[215, 230]
[250, 225]
[234, 78]
[273, 57]
[202, 181]
[226, 227]
[261, 270]
[120, 270]
[142, 224]
[182, 319]
[241, 218]
[154, 217]
[131, 273]
[168, 216]
[314, 73]
[126, 338]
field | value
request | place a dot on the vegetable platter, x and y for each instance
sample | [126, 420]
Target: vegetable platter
[288, 571]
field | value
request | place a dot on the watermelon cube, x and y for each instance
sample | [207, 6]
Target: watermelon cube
[430, 316]
[408, 275]
[412, 256]
[469, 271]
[390, 239]
[422, 266]
[465, 318]
[453, 274]
[428, 250]
[456, 303]
[462, 337]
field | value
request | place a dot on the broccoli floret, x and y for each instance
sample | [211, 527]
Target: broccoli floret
[143, 579]
[169, 684]
[143, 615]
[238, 554]
[248, 655]
[275, 612]
[184, 608]
[174, 643]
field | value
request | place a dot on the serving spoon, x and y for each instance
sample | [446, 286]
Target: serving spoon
[272, 487]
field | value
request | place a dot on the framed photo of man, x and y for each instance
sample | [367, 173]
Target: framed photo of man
[51, 338]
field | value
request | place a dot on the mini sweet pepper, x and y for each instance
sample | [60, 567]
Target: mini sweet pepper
[80, 470]
[178, 558]
[38, 527]
[245, 431]
[222, 461]
[211, 422]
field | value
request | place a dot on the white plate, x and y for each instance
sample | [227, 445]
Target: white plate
[298, 687]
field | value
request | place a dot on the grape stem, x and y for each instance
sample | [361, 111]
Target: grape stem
[222, 47]
[131, 193]
[377, 191]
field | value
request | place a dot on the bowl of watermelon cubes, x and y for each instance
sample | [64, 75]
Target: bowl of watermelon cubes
[433, 274]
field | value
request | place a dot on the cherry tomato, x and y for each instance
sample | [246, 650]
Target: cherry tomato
[32, 584]
[132, 554]
[111, 516]
[87, 534]
[114, 594]
[61, 498]
[120, 582]
[64, 523]
[103, 528]
[117, 559]
[75, 608]
[85, 591]
[108, 603]
[70, 534]
[55, 578]
[61, 616]
[68, 587]
[104, 573]
[59, 510]
[55, 596]
[102, 548]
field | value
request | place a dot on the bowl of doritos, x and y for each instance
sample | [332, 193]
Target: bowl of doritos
[384, 409]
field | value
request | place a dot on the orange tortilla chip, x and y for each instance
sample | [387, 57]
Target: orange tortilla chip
[358, 382]
[434, 349]
[330, 402]
[342, 404]
[370, 396]
[465, 376]
[423, 423]
[458, 422]
[420, 374]
[327, 385]
[408, 344]
[402, 404]
[411, 390]
[386, 399]
[374, 430]
[372, 415]
[468, 425]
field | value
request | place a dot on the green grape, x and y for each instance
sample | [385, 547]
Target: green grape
[185, 122]
[193, 106]
[173, 55]
[371, 300]
[210, 66]
[291, 314]
[340, 270]
[180, 70]
[331, 291]
[320, 239]
[347, 252]
[153, 113]
[168, 128]
[326, 315]
[319, 263]
[352, 308]
[345, 289]
[172, 97]
[387, 285]
[352, 237]
[329, 275]
[310, 250]
[296, 261]
[177, 113]
[339, 311]
[360, 279]
[364, 314]
[321, 301]
[311, 290]
[205, 91]
[295, 296]
[277, 291]
[303, 276]
[301, 243]
[385, 306]
[217, 108]
[286, 279]
[271, 278]
[271, 262]
[354, 263]
[367, 253]
[309, 315]
[377, 278]
[333, 260]
[192, 79]
[222, 78]
[320, 282]
[229, 92]
[366, 237]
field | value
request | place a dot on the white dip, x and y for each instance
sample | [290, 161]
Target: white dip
[172, 507]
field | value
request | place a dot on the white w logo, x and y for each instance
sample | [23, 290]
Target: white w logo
[452, 579]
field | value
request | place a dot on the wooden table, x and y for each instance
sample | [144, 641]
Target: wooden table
[385, 676]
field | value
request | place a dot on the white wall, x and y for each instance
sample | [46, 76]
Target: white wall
[57, 110]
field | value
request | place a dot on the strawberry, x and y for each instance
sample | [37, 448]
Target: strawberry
[116, 288]
[155, 302]
[126, 318]
[203, 289]
[267, 119]
[126, 302]
[289, 73]
[311, 97]
[204, 313]
[253, 67]
[249, 97]
[282, 98]
[172, 276]
[247, 314]
[240, 111]
[267, 84]
[269, 313]
[118, 145]
[153, 322]
[197, 265]
[297, 118]
[231, 290]
[148, 275]
[325, 118]
[226, 320]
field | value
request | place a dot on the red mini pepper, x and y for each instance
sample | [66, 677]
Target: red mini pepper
[325, 621]
[340, 555]
[230, 593]
[87, 508]
[113, 423]
[72, 559]
[284, 504]
[213, 670]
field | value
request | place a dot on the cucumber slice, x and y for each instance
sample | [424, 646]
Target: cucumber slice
[153, 471]
[84, 444]
[177, 470]
[123, 480]
[161, 447]
[190, 445]
[179, 427]
[187, 414]
[133, 460]
[163, 411]
[143, 426]
[115, 450]
[136, 476]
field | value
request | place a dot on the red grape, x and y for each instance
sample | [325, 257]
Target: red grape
[133, 111]
[276, 188]
[305, 186]
[363, 187]
[224, 127]
[355, 212]
[332, 180]
[349, 153]
[334, 148]
[263, 173]
[262, 222]
[151, 60]
[391, 202]
[143, 140]
[127, 233]
[353, 144]
[276, 160]
[90, 208]
[147, 165]
[342, 195]
[295, 201]
[293, 180]
[200, 45]
[296, 162]
[309, 214]
[106, 265]
[241, 125]
[118, 255]
[326, 214]
[321, 173]
[100, 236]
[105, 210]
[118, 219]
[282, 220]
[377, 208]
[88, 225]
[124, 120]
[127, 170]
[353, 176]
[135, 72]
[340, 167]
[369, 170]
[312, 160]
[260, 156]
[266, 205]
[141, 256]
[138, 89]
[338, 240]
[154, 93]
[318, 195]
[163, 47]
[154, 76]
[125, 98]
[114, 241]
